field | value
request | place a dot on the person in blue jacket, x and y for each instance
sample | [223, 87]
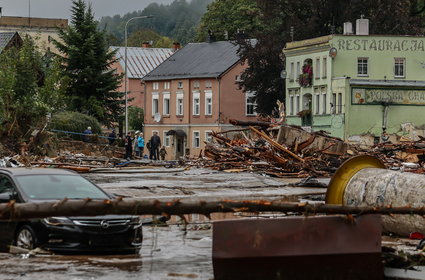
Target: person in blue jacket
[140, 144]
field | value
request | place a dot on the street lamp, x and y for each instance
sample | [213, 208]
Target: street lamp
[125, 71]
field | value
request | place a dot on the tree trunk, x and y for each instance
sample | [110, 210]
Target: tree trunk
[88, 207]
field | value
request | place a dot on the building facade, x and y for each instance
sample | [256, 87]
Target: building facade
[357, 86]
[42, 30]
[193, 93]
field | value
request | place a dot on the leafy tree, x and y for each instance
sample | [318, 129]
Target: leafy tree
[136, 118]
[29, 89]
[148, 35]
[87, 62]
[177, 20]
[313, 18]
[229, 16]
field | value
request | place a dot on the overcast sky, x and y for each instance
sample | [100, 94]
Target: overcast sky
[61, 8]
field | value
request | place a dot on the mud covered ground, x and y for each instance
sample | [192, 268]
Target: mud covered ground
[167, 252]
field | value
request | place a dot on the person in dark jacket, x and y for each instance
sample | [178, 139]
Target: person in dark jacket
[155, 144]
[112, 137]
[128, 146]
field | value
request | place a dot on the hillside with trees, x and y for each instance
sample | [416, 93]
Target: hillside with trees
[177, 21]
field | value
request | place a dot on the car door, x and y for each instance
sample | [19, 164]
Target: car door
[7, 228]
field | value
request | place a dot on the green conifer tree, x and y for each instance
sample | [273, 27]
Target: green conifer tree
[87, 62]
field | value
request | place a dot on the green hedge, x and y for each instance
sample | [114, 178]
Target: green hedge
[74, 122]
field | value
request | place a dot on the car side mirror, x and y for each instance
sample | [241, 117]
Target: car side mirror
[5, 197]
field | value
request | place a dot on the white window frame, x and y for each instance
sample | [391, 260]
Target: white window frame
[208, 105]
[297, 103]
[317, 68]
[324, 100]
[362, 66]
[196, 102]
[208, 137]
[155, 100]
[249, 104]
[397, 64]
[179, 84]
[334, 103]
[298, 70]
[324, 67]
[165, 105]
[316, 101]
[167, 139]
[196, 141]
[179, 106]
[208, 84]
[155, 85]
[291, 105]
[167, 85]
[291, 73]
[196, 84]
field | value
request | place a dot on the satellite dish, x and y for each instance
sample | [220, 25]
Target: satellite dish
[157, 117]
[283, 74]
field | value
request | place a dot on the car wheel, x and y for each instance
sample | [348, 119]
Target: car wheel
[25, 238]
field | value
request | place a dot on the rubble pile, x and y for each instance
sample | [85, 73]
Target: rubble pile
[408, 156]
[262, 153]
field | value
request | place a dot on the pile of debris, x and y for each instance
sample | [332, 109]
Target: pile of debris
[407, 156]
[293, 152]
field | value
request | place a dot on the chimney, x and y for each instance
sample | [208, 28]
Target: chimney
[176, 46]
[146, 45]
[210, 37]
[348, 28]
[362, 26]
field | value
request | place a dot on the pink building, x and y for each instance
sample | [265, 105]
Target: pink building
[193, 93]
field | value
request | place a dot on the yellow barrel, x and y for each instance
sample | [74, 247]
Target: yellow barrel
[364, 181]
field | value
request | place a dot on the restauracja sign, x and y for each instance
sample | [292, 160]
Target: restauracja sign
[390, 96]
[380, 45]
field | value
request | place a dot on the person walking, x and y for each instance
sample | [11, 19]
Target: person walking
[136, 145]
[155, 144]
[87, 134]
[149, 148]
[141, 144]
[128, 146]
[163, 152]
[112, 137]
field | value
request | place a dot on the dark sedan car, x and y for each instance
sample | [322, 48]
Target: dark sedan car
[111, 233]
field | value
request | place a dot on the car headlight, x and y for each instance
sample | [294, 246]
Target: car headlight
[58, 221]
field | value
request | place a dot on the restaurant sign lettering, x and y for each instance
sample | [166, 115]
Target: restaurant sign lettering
[401, 45]
[388, 96]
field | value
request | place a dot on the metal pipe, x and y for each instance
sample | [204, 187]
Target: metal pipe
[363, 181]
[385, 117]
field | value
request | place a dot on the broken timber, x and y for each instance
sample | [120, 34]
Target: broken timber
[88, 207]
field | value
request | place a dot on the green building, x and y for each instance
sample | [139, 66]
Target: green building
[357, 86]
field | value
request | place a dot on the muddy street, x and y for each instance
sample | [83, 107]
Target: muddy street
[168, 252]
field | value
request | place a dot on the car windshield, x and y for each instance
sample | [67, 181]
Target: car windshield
[44, 187]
